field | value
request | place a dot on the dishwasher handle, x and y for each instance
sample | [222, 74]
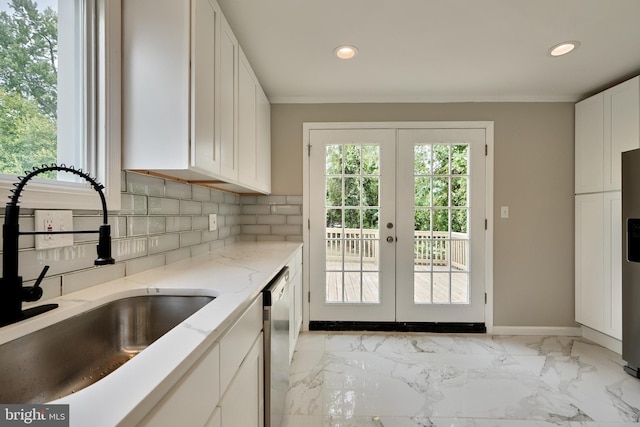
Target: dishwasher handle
[277, 288]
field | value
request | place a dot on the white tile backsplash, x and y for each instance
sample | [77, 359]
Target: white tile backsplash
[126, 249]
[190, 238]
[189, 207]
[160, 222]
[76, 281]
[164, 243]
[163, 206]
[201, 194]
[179, 223]
[137, 265]
[271, 218]
[144, 184]
[177, 190]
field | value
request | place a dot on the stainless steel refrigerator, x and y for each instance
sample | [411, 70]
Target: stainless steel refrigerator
[631, 261]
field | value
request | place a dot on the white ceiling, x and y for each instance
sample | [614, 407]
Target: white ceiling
[436, 50]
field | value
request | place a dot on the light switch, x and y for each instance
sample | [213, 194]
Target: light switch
[504, 212]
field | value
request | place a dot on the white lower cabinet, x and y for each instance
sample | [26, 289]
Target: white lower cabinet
[598, 262]
[191, 401]
[243, 401]
[225, 387]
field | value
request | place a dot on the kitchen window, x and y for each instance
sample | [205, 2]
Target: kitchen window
[60, 99]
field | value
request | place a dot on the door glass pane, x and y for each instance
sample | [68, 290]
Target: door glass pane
[440, 191]
[370, 191]
[352, 203]
[422, 190]
[370, 160]
[352, 191]
[333, 159]
[459, 192]
[441, 214]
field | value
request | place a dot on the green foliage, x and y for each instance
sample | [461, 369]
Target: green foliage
[27, 137]
[29, 40]
[436, 170]
[28, 80]
[353, 172]
[440, 187]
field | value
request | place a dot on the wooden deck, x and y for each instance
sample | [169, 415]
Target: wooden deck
[351, 290]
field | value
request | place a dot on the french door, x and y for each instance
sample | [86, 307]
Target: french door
[352, 204]
[397, 225]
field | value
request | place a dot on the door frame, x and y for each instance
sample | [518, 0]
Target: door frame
[489, 171]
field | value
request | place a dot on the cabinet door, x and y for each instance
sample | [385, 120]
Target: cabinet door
[247, 137]
[155, 90]
[612, 287]
[621, 128]
[589, 260]
[228, 133]
[263, 133]
[205, 151]
[589, 134]
[193, 399]
[243, 402]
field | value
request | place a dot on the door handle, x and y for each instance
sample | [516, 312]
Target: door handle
[390, 239]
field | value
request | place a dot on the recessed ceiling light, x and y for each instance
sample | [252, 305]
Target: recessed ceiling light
[564, 48]
[345, 52]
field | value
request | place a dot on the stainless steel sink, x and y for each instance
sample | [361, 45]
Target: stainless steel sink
[72, 354]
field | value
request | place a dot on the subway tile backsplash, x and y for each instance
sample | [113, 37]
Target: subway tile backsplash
[271, 218]
[160, 222]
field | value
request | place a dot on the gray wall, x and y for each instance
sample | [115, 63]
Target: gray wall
[533, 174]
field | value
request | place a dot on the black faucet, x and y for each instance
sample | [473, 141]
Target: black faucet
[12, 293]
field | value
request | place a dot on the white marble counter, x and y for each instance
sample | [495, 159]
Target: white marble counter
[234, 274]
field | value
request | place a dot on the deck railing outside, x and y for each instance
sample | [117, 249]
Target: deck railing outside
[429, 248]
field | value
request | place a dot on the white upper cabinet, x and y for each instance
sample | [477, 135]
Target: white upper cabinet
[254, 129]
[228, 59]
[589, 144]
[607, 124]
[621, 129]
[181, 97]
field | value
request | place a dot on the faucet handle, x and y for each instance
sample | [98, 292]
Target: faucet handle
[34, 293]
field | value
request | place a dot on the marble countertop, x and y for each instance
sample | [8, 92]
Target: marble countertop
[235, 275]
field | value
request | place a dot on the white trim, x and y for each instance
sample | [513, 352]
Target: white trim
[416, 99]
[489, 128]
[560, 331]
[489, 170]
[599, 338]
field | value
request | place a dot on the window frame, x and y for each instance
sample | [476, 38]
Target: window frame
[103, 103]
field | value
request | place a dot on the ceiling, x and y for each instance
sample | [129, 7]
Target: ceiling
[436, 50]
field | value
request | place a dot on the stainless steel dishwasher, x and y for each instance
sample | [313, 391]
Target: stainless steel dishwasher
[276, 347]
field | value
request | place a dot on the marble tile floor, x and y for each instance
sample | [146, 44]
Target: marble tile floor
[414, 379]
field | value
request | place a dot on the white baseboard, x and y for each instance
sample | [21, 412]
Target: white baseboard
[563, 331]
[604, 340]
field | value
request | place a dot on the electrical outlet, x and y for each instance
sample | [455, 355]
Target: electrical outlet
[53, 221]
[213, 222]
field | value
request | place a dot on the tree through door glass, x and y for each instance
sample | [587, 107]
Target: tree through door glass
[352, 229]
[441, 232]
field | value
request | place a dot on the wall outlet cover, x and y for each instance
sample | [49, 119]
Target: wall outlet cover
[213, 222]
[53, 220]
